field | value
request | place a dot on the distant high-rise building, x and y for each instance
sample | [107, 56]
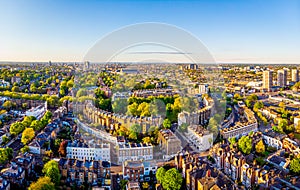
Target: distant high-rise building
[282, 77]
[203, 89]
[267, 79]
[86, 65]
[193, 66]
[295, 75]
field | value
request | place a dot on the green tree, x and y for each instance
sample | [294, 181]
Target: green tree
[160, 173]
[258, 105]
[183, 127]
[70, 84]
[43, 183]
[5, 154]
[16, 128]
[36, 125]
[15, 89]
[245, 144]
[123, 184]
[133, 109]
[146, 140]
[7, 105]
[52, 171]
[232, 141]
[295, 165]
[172, 180]
[27, 135]
[167, 123]
[260, 147]
[25, 149]
[145, 185]
[120, 106]
[5, 139]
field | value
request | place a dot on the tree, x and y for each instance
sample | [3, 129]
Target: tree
[232, 141]
[5, 139]
[258, 105]
[145, 185]
[43, 183]
[5, 154]
[15, 89]
[282, 105]
[62, 148]
[123, 184]
[144, 109]
[52, 171]
[133, 109]
[120, 106]
[172, 180]
[136, 128]
[146, 140]
[7, 105]
[70, 84]
[25, 149]
[260, 147]
[16, 128]
[167, 123]
[27, 135]
[295, 165]
[160, 173]
[36, 125]
[245, 144]
[183, 127]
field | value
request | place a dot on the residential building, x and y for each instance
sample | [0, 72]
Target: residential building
[133, 170]
[82, 151]
[199, 137]
[169, 143]
[15, 79]
[203, 89]
[268, 79]
[27, 162]
[282, 77]
[114, 120]
[4, 84]
[154, 92]
[120, 95]
[199, 174]
[4, 184]
[295, 75]
[133, 185]
[139, 170]
[243, 127]
[236, 166]
[134, 151]
[273, 139]
[296, 121]
[199, 117]
[15, 175]
[37, 112]
[92, 172]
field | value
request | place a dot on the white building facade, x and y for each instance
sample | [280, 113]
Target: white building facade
[93, 154]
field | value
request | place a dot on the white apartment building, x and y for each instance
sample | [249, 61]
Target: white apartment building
[134, 151]
[4, 84]
[81, 151]
[267, 79]
[273, 139]
[295, 75]
[199, 137]
[37, 112]
[282, 77]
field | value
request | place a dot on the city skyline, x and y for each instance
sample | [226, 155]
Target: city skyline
[234, 32]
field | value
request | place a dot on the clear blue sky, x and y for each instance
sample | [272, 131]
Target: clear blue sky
[234, 31]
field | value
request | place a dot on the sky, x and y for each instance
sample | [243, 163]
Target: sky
[245, 31]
